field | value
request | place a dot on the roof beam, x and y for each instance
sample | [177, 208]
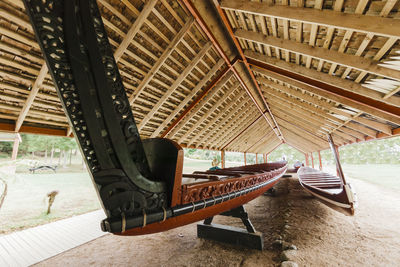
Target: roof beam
[292, 121]
[305, 143]
[134, 29]
[362, 103]
[175, 85]
[167, 52]
[31, 97]
[218, 115]
[210, 86]
[9, 127]
[252, 134]
[324, 77]
[233, 124]
[387, 8]
[233, 112]
[189, 97]
[316, 113]
[216, 87]
[307, 133]
[321, 103]
[270, 120]
[308, 120]
[345, 21]
[244, 130]
[266, 137]
[295, 146]
[210, 111]
[267, 148]
[334, 57]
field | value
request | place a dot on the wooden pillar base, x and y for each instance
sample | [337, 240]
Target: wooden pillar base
[247, 238]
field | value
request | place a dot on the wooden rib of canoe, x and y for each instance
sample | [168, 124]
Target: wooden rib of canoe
[329, 189]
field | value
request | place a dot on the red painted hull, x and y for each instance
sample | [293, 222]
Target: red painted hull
[260, 182]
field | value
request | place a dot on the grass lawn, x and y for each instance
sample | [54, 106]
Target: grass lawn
[385, 175]
[25, 204]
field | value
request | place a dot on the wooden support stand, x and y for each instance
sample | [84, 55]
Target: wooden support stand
[247, 238]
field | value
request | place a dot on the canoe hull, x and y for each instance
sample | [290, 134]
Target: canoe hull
[202, 200]
[328, 189]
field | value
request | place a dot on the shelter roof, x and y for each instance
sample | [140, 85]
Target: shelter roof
[232, 75]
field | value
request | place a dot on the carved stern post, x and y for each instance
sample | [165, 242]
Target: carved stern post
[132, 178]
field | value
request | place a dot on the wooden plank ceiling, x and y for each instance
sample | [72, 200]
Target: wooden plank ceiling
[292, 71]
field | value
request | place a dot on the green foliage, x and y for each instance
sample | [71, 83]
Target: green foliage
[292, 155]
[385, 151]
[34, 143]
[201, 154]
[6, 147]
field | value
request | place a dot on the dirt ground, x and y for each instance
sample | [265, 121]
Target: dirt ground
[323, 237]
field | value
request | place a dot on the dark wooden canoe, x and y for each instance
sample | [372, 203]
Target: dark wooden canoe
[330, 189]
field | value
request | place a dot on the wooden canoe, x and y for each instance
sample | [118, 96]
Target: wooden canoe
[138, 181]
[330, 189]
[216, 192]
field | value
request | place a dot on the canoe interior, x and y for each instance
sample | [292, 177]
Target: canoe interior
[328, 188]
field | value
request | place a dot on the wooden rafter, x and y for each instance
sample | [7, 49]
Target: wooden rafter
[189, 97]
[316, 113]
[264, 138]
[230, 124]
[322, 104]
[269, 119]
[326, 78]
[345, 21]
[359, 102]
[175, 85]
[271, 148]
[241, 132]
[231, 110]
[134, 29]
[251, 135]
[216, 88]
[219, 112]
[205, 115]
[335, 57]
[156, 67]
[31, 97]
[312, 123]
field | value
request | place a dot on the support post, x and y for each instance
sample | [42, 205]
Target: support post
[312, 159]
[338, 157]
[223, 159]
[247, 238]
[256, 158]
[320, 160]
[245, 160]
[15, 146]
[266, 158]
[306, 156]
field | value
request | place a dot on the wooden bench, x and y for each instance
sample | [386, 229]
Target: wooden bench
[43, 167]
